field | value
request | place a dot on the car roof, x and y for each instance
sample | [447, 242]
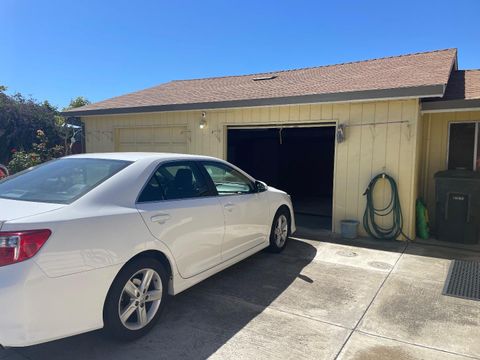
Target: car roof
[136, 156]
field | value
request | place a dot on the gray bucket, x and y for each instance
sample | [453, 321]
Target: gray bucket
[349, 229]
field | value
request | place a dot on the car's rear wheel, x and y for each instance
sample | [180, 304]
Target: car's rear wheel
[136, 299]
[280, 231]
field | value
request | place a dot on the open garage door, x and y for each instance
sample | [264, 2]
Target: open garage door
[298, 160]
[156, 139]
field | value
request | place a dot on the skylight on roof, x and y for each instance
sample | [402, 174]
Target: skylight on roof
[263, 78]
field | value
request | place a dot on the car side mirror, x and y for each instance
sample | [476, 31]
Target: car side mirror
[260, 186]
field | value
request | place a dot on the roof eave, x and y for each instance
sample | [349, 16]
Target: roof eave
[366, 95]
[451, 105]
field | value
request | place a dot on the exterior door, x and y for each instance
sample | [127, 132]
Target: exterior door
[246, 211]
[178, 207]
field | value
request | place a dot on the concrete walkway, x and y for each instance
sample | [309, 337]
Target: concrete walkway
[317, 300]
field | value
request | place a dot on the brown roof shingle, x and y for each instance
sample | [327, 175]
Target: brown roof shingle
[398, 72]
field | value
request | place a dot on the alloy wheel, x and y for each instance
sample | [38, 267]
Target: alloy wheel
[281, 231]
[140, 299]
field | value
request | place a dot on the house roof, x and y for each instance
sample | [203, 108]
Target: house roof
[413, 75]
[463, 84]
[462, 92]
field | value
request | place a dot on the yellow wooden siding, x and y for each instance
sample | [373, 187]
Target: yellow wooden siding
[152, 138]
[434, 150]
[367, 150]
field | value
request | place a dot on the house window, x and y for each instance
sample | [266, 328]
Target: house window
[464, 146]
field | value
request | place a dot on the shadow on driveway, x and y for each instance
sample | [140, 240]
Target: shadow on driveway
[197, 322]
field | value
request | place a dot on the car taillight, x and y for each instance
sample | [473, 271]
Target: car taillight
[16, 246]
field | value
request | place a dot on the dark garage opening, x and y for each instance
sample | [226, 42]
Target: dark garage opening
[298, 160]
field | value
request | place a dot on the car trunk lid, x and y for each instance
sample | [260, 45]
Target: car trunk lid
[16, 209]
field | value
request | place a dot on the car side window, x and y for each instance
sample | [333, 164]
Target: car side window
[178, 180]
[152, 190]
[227, 180]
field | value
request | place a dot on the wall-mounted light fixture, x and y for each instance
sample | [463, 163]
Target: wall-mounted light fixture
[203, 120]
[340, 133]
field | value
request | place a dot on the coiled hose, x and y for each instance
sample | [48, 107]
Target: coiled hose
[393, 208]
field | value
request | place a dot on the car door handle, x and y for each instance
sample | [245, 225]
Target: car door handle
[160, 218]
[229, 206]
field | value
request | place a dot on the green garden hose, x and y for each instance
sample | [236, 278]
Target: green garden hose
[393, 209]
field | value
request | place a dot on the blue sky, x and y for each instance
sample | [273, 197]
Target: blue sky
[56, 50]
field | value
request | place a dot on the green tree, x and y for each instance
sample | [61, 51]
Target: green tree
[78, 102]
[20, 119]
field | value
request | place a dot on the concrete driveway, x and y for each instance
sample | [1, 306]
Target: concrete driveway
[317, 300]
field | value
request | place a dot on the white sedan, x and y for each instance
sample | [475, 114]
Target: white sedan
[100, 240]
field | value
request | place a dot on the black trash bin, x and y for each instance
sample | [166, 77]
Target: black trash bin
[457, 194]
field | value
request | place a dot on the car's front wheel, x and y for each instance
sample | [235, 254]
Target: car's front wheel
[136, 299]
[280, 231]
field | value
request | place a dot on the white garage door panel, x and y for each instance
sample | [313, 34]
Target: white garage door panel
[157, 139]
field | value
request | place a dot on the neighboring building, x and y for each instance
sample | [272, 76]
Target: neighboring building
[281, 127]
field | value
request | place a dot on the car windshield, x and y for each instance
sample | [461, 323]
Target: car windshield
[59, 181]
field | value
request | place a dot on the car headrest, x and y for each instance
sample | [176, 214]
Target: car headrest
[184, 178]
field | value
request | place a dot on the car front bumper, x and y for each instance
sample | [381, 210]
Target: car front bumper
[35, 308]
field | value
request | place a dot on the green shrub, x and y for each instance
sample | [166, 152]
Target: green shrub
[22, 160]
[41, 153]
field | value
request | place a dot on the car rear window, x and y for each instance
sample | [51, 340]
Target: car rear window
[60, 181]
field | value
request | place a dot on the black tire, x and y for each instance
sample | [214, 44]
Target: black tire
[275, 246]
[114, 327]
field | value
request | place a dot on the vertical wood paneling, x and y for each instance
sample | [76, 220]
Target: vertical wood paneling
[406, 172]
[341, 112]
[255, 115]
[327, 112]
[354, 131]
[380, 149]
[366, 157]
[284, 114]
[294, 113]
[264, 114]
[304, 113]
[367, 150]
[274, 114]
[316, 112]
